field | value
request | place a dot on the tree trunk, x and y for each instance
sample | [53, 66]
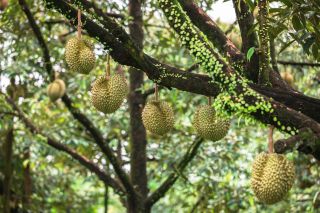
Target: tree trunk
[136, 103]
[27, 181]
[7, 168]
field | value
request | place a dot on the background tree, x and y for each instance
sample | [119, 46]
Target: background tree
[78, 157]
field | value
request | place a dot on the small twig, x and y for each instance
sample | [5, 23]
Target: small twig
[294, 63]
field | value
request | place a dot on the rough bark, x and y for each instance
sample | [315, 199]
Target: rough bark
[249, 39]
[138, 161]
[264, 50]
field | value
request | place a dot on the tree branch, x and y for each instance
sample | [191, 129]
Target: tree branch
[225, 45]
[306, 141]
[248, 36]
[61, 147]
[173, 177]
[212, 31]
[264, 50]
[95, 133]
[123, 52]
[294, 63]
[38, 34]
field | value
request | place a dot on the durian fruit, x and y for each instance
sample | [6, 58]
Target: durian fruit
[108, 93]
[56, 89]
[272, 177]
[79, 55]
[208, 125]
[288, 77]
[158, 117]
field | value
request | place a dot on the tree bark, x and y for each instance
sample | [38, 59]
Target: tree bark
[8, 147]
[138, 141]
[27, 181]
[249, 39]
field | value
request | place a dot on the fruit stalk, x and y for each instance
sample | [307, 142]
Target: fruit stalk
[156, 92]
[79, 24]
[108, 72]
[270, 139]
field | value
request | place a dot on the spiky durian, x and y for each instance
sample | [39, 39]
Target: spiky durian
[56, 89]
[109, 93]
[158, 117]
[208, 125]
[79, 55]
[272, 177]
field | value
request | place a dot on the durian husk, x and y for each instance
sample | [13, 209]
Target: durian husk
[272, 177]
[208, 125]
[56, 89]
[108, 93]
[79, 55]
[158, 117]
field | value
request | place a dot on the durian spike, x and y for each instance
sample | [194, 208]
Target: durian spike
[156, 92]
[108, 72]
[270, 139]
[79, 23]
[209, 101]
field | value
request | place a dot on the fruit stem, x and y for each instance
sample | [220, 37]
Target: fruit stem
[156, 91]
[270, 139]
[79, 23]
[56, 75]
[209, 101]
[108, 73]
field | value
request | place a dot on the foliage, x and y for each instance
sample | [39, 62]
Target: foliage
[217, 180]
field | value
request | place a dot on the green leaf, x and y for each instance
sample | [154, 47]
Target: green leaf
[296, 23]
[286, 46]
[250, 53]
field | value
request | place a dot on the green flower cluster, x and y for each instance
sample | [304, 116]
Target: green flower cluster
[237, 96]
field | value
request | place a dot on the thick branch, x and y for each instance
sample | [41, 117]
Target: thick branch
[264, 56]
[95, 133]
[305, 142]
[173, 177]
[248, 36]
[165, 75]
[38, 34]
[212, 31]
[239, 93]
[61, 147]
[225, 45]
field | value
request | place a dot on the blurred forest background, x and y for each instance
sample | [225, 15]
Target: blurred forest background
[40, 178]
